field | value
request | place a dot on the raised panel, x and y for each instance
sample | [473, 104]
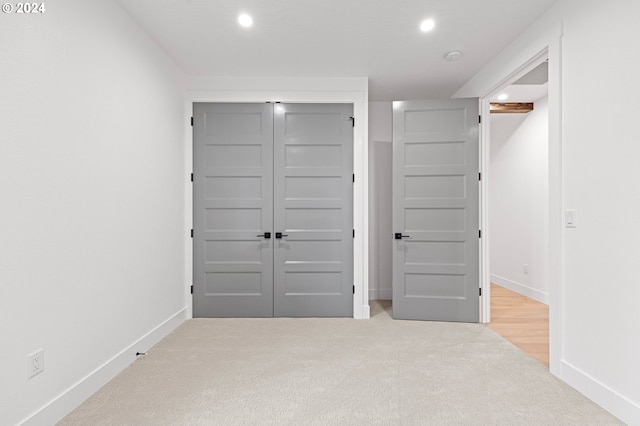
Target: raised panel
[313, 156]
[313, 283]
[313, 188]
[233, 156]
[233, 284]
[435, 154]
[434, 253]
[314, 251]
[441, 219]
[313, 219]
[425, 187]
[435, 121]
[434, 286]
[221, 251]
[233, 219]
[236, 124]
[230, 188]
[313, 126]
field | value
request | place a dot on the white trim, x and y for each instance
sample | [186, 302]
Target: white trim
[520, 288]
[70, 399]
[485, 264]
[380, 294]
[612, 401]
[337, 90]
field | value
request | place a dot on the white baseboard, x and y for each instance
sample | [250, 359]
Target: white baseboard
[522, 289]
[63, 404]
[380, 294]
[612, 401]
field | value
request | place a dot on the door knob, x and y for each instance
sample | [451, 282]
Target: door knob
[280, 235]
[399, 236]
[266, 235]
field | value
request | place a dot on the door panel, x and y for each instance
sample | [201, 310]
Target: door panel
[313, 207]
[233, 203]
[436, 210]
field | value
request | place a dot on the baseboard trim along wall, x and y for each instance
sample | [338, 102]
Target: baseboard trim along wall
[380, 294]
[63, 404]
[617, 404]
[522, 289]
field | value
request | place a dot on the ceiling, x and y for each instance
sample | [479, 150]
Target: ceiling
[378, 39]
[530, 88]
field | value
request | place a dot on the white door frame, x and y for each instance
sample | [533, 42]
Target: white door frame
[294, 90]
[515, 61]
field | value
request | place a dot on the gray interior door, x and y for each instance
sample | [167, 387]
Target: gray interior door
[436, 210]
[273, 210]
[313, 210]
[232, 205]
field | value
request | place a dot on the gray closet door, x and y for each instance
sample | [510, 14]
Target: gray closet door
[305, 266]
[313, 209]
[436, 210]
[233, 204]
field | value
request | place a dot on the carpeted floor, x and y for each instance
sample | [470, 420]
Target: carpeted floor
[295, 371]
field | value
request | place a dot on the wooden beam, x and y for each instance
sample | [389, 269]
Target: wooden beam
[511, 107]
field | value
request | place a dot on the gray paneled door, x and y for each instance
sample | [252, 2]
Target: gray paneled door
[273, 210]
[232, 205]
[436, 210]
[313, 210]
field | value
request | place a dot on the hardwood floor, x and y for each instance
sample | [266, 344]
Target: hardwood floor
[522, 321]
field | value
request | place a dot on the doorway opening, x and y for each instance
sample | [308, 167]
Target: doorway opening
[518, 198]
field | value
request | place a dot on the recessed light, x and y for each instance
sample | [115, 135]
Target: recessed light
[245, 20]
[427, 25]
[503, 97]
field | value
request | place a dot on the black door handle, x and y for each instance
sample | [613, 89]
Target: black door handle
[280, 235]
[399, 236]
[266, 235]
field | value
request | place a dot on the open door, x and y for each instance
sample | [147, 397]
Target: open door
[436, 210]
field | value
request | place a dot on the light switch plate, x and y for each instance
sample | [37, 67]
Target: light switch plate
[570, 218]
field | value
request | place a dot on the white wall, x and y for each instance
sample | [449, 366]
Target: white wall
[519, 201]
[594, 154]
[380, 211]
[92, 222]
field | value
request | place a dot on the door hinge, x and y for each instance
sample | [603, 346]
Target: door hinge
[191, 177]
[354, 289]
[353, 178]
[480, 234]
[479, 176]
[353, 121]
[192, 233]
[354, 233]
[480, 291]
[191, 121]
[191, 289]
[479, 119]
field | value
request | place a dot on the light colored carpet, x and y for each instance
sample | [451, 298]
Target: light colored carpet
[296, 371]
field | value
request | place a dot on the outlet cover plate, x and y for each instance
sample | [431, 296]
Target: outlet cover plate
[35, 363]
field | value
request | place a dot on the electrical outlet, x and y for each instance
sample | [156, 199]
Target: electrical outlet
[35, 363]
[525, 268]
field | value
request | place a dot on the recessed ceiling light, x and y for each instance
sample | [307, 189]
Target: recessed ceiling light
[427, 25]
[245, 20]
[503, 97]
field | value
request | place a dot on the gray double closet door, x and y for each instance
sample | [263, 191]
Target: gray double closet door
[273, 210]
